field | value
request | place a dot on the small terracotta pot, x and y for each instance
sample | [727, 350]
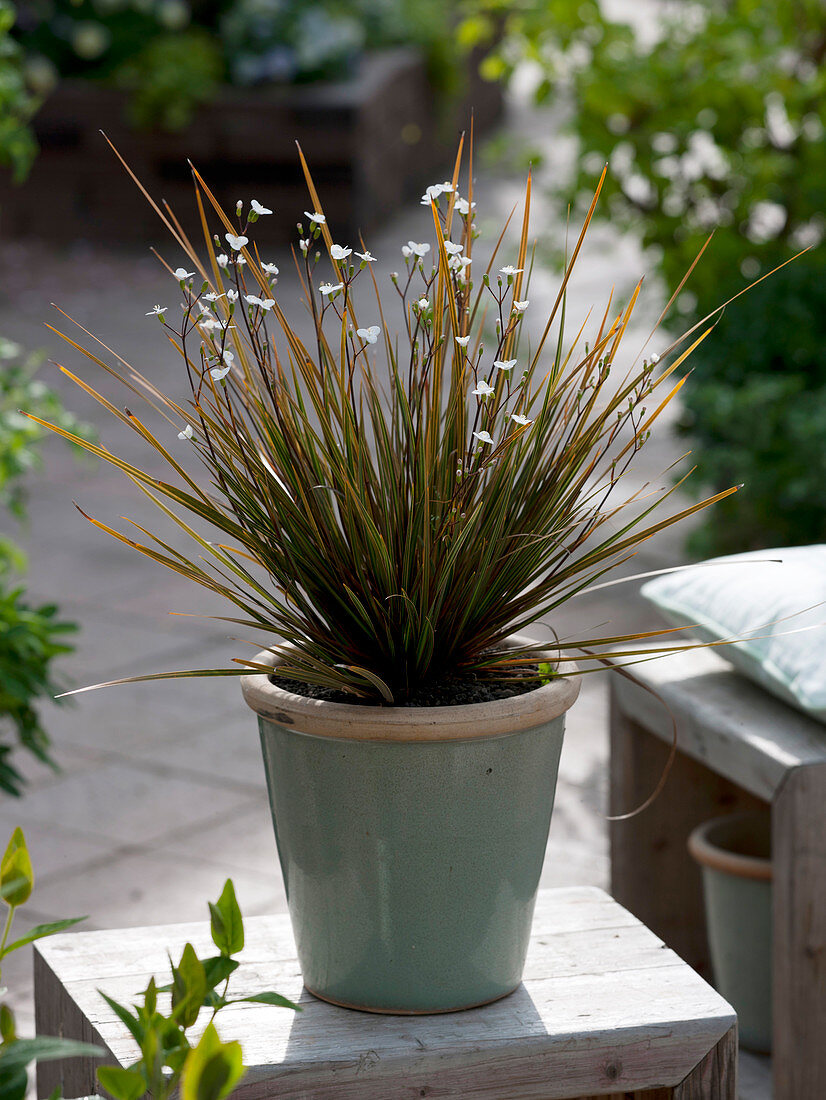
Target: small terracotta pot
[734, 853]
[411, 840]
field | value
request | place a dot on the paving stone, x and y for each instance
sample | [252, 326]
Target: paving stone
[159, 887]
[128, 802]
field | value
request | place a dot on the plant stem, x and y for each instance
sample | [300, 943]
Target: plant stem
[6, 931]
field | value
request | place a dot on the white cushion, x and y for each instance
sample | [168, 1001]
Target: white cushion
[751, 594]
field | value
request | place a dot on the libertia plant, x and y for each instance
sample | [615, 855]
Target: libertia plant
[395, 506]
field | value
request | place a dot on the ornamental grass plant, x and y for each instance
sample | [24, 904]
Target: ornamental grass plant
[395, 505]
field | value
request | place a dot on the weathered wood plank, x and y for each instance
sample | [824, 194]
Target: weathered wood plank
[652, 873]
[799, 935]
[715, 1078]
[724, 721]
[604, 1006]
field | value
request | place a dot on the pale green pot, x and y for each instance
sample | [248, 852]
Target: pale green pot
[734, 853]
[411, 841]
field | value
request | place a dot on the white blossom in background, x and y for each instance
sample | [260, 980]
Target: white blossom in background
[654, 359]
[462, 341]
[187, 433]
[517, 418]
[210, 324]
[367, 256]
[414, 249]
[339, 252]
[232, 295]
[212, 296]
[236, 243]
[461, 206]
[423, 303]
[228, 357]
[453, 249]
[258, 208]
[520, 307]
[484, 437]
[157, 311]
[219, 372]
[330, 288]
[370, 334]
[316, 219]
[270, 269]
[509, 269]
[181, 273]
[459, 263]
[483, 389]
[504, 364]
[222, 260]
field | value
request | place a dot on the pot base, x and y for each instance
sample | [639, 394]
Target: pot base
[410, 1011]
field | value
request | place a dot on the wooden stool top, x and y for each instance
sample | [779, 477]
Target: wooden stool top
[604, 1008]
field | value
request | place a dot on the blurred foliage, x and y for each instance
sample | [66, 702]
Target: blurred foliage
[175, 54]
[716, 124]
[31, 637]
[17, 144]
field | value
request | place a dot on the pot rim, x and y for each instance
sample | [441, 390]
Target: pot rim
[464, 722]
[709, 854]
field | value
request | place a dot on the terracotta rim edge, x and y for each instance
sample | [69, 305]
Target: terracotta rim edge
[711, 855]
[353, 722]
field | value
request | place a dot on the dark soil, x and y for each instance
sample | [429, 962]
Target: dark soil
[452, 691]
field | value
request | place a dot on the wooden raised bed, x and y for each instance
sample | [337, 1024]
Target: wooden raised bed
[372, 141]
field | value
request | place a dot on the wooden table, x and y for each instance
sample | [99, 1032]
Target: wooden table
[739, 748]
[605, 1010]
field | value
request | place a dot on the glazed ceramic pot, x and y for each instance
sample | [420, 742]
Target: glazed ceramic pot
[411, 840]
[734, 853]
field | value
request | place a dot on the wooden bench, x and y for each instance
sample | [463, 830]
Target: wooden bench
[739, 747]
[606, 1009]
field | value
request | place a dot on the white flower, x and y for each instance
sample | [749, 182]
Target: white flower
[655, 359]
[435, 190]
[423, 303]
[413, 249]
[219, 372]
[240, 261]
[181, 273]
[462, 341]
[370, 334]
[330, 288]
[267, 303]
[504, 364]
[270, 269]
[461, 206]
[338, 252]
[316, 219]
[453, 249]
[227, 356]
[258, 208]
[484, 437]
[222, 260]
[517, 418]
[158, 311]
[483, 389]
[212, 296]
[520, 307]
[236, 243]
[210, 324]
[509, 269]
[232, 295]
[187, 433]
[366, 256]
[459, 263]
[304, 244]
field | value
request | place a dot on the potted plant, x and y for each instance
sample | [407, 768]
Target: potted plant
[392, 509]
